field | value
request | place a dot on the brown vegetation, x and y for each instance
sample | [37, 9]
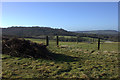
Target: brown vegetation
[24, 48]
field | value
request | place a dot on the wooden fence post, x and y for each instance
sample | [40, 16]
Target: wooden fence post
[47, 41]
[57, 41]
[77, 39]
[93, 40]
[98, 43]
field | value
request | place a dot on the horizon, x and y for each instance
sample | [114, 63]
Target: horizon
[56, 28]
[71, 16]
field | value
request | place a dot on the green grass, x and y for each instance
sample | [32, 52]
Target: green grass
[81, 45]
[74, 61]
[68, 36]
[91, 39]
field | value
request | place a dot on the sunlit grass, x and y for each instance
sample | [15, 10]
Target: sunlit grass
[98, 64]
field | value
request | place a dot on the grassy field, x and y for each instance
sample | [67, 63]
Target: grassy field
[81, 60]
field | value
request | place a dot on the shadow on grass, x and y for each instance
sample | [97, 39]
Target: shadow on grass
[51, 56]
[57, 57]
[63, 58]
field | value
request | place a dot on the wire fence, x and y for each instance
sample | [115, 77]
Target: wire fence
[57, 40]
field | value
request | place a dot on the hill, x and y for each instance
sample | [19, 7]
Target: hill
[34, 31]
[43, 31]
[106, 32]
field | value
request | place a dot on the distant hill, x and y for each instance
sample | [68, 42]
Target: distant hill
[106, 32]
[34, 31]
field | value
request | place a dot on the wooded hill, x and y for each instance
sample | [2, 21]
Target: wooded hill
[39, 31]
[34, 31]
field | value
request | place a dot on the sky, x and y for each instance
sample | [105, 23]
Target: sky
[71, 16]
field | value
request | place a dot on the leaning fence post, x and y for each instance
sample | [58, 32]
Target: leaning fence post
[57, 41]
[47, 41]
[98, 43]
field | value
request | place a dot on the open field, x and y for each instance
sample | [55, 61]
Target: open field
[113, 46]
[81, 60]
